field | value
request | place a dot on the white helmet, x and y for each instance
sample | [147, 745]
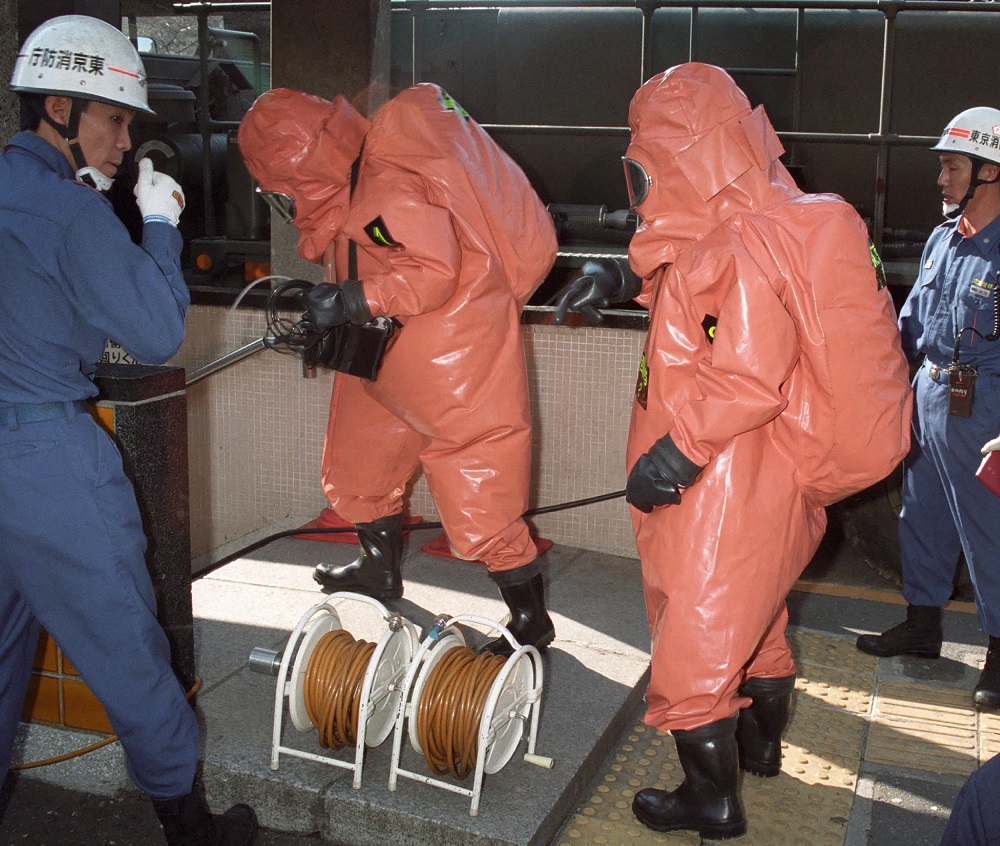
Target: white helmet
[974, 133]
[82, 57]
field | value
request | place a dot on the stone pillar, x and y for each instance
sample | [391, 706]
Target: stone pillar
[9, 114]
[145, 408]
[326, 47]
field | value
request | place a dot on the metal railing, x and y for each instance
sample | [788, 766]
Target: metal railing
[225, 362]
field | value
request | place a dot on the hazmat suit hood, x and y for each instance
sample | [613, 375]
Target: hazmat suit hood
[304, 146]
[708, 154]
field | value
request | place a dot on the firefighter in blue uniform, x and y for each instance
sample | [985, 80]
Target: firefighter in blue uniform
[975, 818]
[951, 320]
[73, 546]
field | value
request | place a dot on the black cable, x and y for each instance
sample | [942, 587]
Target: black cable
[576, 503]
[993, 336]
[283, 335]
[423, 525]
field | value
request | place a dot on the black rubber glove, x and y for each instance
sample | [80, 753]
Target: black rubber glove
[597, 284]
[325, 307]
[355, 302]
[658, 476]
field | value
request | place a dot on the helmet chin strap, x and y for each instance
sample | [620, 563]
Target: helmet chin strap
[953, 210]
[93, 177]
[84, 173]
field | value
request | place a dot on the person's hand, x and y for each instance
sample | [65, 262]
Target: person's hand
[648, 487]
[325, 306]
[158, 195]
[991, 446]
[597, 284]
[658, 476]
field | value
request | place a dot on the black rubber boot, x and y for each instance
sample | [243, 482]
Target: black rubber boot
[759, 728]
[987, 694]
[708, 800]
[187, 822]
[523, 590]
[376, 571]
[920, 635]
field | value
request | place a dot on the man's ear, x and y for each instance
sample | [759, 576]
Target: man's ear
[989, 172]
[58, 108]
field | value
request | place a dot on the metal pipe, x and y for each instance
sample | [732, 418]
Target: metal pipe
[884, 122]
[646, 59]
[267, 662]
[204, 116]
[894, 6]
[209, 6]
[225, 362]
[869, 138]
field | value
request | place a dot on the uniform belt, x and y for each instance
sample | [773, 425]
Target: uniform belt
[34, 412]
[937, 373]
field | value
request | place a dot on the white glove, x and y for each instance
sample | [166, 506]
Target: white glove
[158, 195]
[990, 446]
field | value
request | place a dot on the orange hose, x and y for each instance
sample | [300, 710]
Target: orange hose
[333, 681]
[451, 709]
[66, 756]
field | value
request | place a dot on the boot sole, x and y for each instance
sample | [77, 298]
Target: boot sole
[912, 653]
[545, 642]
[873, 649]
[333, 587]
[760, 770]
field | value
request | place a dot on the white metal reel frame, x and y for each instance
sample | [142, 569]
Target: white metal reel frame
[381, 690]
[514, 702]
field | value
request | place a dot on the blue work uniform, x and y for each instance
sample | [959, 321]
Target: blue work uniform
[71, 539]
[975, 818]
[945, 508]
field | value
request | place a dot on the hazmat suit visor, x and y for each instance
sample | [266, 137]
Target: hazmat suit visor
[637, 182]
[281, 204]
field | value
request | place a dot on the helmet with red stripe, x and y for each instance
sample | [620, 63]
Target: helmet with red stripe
[84, 58]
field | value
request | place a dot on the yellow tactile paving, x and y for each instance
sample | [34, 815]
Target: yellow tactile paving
[807, 805]
[833, 671]
[818, 731]
[845, 690]
[830, 651]
[837, 705]
[925, 728]
[989, 736]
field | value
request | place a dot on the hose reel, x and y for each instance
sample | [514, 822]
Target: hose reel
[464, 712]
[361, 709]
[510, 691]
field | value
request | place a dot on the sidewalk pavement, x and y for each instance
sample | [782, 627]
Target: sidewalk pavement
[876, 749]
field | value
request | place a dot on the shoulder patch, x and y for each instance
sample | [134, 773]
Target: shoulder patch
[379, 233]
[449, 103]
[642, 382]
[709, 324]
[879, 267]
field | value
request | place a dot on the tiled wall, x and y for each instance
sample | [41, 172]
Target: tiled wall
[256, 434]
[56, 694]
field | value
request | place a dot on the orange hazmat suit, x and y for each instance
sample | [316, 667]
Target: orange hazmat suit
[773, 363]
[451, 242]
